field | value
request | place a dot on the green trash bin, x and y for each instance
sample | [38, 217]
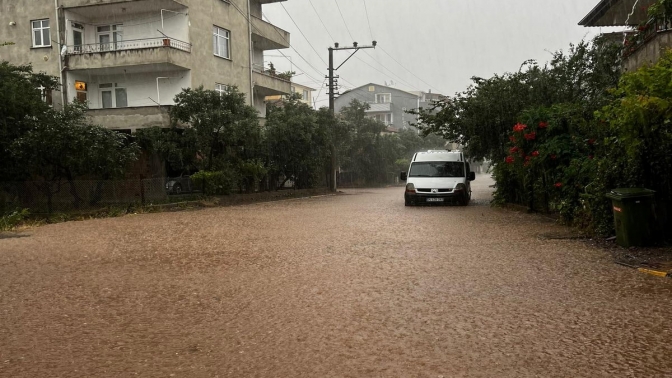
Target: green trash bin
[634, 216]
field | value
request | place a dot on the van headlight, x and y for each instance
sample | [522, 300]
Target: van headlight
[410, 188]
[460, 188]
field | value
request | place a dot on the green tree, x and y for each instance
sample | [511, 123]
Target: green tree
[64, 146]
[481, 117]
[223, 124]
[298, 142]
[21, 109]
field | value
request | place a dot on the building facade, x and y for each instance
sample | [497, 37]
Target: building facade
[129, 58]
[641, 46]
[305, 92]
[387, 104]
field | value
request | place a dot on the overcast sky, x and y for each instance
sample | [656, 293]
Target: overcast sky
[442, 42]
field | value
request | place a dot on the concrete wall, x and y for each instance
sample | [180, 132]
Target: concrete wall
[131, 118]
[649, 53]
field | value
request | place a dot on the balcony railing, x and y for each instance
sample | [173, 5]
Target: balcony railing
[134, 44]
[641, 37]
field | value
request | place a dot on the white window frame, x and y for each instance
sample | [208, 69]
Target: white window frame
[222, 33]
[116, 34]
[221, 88]
[306, 95]
[41, 28]
[112, 87]
[383, 117]
[387, 96]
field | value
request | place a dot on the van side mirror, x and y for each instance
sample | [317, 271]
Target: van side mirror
[403, 176]
[472, 176]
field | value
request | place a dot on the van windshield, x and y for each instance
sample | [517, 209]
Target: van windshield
[437, 169]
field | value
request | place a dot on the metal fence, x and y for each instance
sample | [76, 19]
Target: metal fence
[63, 195]
[355, 180]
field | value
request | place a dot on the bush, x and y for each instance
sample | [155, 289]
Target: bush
[215, 182]
[11, 220]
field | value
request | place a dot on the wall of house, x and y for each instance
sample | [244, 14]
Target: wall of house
[651, 52]
[43, 59]
[209, 69]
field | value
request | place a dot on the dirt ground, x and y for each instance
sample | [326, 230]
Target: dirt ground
[354, 285]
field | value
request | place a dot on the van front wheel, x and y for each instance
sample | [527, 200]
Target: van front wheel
[464, 201]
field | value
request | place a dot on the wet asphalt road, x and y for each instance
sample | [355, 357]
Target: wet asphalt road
[355, 285]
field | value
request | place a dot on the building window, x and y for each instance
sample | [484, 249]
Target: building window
[46, 95]
[383, 98]
[306, 95]
[110, 37]
[41, 33]
[113, 96]
[384, 118]
[220, 42]
[221, 88]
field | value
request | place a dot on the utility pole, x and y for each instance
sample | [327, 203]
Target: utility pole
[333, 91]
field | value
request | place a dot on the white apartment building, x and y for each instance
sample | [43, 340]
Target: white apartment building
[129, 58]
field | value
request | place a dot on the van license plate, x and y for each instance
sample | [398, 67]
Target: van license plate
[434, 199]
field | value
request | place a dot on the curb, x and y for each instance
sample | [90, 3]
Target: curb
[657, 273]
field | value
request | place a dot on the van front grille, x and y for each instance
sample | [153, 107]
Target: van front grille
[423, 190]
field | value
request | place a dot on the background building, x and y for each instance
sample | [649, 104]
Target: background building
[387, 104]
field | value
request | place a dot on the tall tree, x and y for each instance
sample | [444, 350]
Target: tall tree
[21, 108]
[222, 122]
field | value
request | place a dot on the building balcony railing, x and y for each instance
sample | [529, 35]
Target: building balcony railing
[134, 44]
[269, 83]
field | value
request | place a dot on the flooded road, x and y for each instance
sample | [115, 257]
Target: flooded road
[354, 285]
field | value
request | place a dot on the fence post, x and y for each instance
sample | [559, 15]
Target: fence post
[142, 190]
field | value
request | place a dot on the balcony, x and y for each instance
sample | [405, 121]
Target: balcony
[268, 84]
[129, 53]
[131, 118]
[266, 36]
[380, 107]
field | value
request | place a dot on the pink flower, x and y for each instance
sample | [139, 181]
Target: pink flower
[543, 125]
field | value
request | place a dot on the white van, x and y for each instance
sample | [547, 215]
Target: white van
[438, 176]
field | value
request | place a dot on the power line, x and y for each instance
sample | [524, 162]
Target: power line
[402, 66]
[283, 37]
[390, 72]
[367, 18]
[320, 18]
[343, 18]
[304, 36]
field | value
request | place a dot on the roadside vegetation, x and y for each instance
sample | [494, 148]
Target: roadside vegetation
[564, 134]
[215, 137]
